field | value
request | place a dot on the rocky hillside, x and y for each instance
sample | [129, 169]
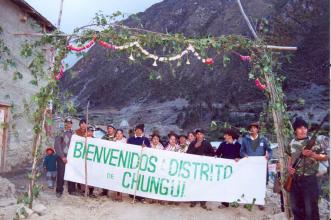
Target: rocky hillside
[191, 96]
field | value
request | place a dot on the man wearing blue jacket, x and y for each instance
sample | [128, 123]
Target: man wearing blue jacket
[255, 145]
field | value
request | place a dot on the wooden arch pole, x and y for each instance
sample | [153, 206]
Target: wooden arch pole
[276, 114]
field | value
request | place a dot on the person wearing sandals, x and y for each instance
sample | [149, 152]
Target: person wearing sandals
[229, 149]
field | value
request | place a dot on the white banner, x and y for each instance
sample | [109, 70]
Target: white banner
[166, 175]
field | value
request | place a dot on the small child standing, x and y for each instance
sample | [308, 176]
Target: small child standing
[50, 167]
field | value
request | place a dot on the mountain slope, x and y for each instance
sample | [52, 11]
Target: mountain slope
[196, 94]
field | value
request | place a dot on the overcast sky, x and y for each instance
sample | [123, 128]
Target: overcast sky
[77, 13]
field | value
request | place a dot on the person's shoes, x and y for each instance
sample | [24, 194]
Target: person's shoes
[221, 206]
[50, 187]
[203, 206]
[103, 193]
[92, 195]
[143, 201]
[261, 207]
[73, 193]
[193, 204]
[58, 195]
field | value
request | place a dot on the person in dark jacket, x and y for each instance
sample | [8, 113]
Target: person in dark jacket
[50, 167]
[61, 146]
[200, 146]
[229, 149]
[141, 140]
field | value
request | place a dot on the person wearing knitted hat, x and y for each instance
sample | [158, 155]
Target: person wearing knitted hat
[50, 167]
[304, 193]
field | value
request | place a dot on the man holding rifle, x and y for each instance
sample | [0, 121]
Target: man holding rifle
[303, 162]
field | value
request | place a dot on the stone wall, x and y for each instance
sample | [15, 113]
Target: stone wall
[13, 91]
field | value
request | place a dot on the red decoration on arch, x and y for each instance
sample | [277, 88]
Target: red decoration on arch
[260, 85]
[245, 58]
[106, 45]
[209, 61]
[60, 74]
[88, 45]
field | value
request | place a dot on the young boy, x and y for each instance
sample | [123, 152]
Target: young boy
[50, 167]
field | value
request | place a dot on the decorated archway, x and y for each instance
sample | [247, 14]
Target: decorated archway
[138, 43]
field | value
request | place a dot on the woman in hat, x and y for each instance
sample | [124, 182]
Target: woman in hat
[155, 142]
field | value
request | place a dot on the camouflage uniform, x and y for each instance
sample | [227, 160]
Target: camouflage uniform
[182, 148]
[108, 137]
[304, 192]
[307, 166]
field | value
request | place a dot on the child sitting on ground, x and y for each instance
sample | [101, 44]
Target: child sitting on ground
[50, 167]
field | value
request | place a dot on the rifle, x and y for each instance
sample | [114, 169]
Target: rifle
[311, 143]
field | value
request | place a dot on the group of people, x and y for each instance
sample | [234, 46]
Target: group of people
[304, 196]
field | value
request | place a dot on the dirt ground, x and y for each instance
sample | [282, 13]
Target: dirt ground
[77, 207]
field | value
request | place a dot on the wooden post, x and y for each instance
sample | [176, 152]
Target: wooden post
[36, 145]
[247, 20]
[37, 138]
[60, 15]
[85, 148]
[281, 139]
[137, 174]
[277, 118]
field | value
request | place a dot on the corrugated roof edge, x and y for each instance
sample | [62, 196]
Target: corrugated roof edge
[35, 14]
